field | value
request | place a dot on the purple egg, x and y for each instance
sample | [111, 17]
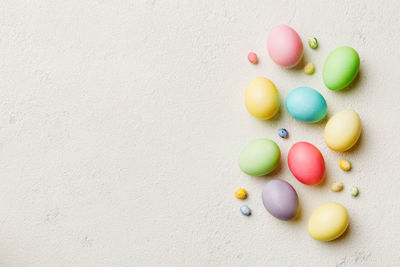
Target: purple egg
[280, 199]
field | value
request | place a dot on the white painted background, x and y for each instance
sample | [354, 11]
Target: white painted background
[121, 123]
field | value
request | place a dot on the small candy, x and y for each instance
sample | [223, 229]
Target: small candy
[282, 132]
[309, 68]
[245, 210]
[345, 165]
[252, 57]
[354, 191]
[337, 186]
[313, 43]
[241, 193]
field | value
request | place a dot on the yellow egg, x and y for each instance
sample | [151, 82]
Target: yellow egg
[343, 130]
[328, 221]
[262, 98]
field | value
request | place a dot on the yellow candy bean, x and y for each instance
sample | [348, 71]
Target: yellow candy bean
[345, 165]
[309, 68]
[241, 193]
[337, 186]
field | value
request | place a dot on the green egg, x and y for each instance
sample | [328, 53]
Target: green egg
[259, 157]
[340, 68]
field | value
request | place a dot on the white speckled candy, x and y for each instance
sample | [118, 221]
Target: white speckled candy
[245, 210]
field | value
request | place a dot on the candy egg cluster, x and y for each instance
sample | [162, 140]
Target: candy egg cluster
[305, 161]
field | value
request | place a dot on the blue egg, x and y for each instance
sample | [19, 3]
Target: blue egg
[245, 210]
[306, 104]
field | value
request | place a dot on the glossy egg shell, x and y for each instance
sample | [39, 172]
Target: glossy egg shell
[262, 98]
[340, 68]
[306, 163]
[284, 46]
[328, 221]
[306, 104]
[259, 157]
[343, 130]
[280, 199]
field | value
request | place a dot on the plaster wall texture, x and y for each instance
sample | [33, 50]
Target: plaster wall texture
[121, 123]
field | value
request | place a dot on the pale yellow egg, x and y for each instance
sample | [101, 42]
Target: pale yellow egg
[343, 130]
[262, 98]
[328, 221]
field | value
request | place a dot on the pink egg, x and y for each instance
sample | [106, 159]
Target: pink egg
[284, 46]
[306, 163]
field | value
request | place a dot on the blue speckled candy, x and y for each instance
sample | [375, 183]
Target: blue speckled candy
[306, 104]
[245, 210]
[283, 133]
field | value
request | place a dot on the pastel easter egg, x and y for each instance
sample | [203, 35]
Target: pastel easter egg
[259, 157]
[262, 98]
[306, 104]
[340, 68]
[284, 46]
[306, 163]
[343, 130]
[328, 221]
[280, 199]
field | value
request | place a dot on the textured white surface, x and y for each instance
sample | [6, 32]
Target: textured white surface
[121, 123]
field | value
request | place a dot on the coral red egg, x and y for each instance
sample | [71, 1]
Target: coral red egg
[306, 163]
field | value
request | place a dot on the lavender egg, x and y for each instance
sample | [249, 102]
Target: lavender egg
[280, 199]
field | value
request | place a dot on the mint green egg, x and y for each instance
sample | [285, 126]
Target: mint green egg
[340, 68]
[259, 157]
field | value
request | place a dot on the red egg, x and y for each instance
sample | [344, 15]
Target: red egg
[306, 163]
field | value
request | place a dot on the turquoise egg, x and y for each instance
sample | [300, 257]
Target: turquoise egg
[306, 104]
